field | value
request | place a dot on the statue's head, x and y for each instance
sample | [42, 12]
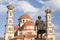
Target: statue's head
[39, 17]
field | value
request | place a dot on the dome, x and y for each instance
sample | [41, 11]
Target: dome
[29, 23]
[48, 11]
[25, 16]
[10, 7]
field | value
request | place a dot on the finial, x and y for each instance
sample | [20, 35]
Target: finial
[10, 7]
[48, 11]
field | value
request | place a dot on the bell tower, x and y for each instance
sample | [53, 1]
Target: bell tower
[50, 28]
[9, 29]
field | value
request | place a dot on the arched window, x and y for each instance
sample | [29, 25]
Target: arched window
[50, 31]
[49, 24]
[29, 32]
[20, 21]
[10, 14]
[9, 37]
[50, 38]
[26, 20]
[10, 21]
[9, 29]
[49, 17]
[23, 21]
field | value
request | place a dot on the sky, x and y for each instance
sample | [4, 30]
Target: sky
[33, 8]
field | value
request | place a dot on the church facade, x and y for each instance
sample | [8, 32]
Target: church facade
[25, 28]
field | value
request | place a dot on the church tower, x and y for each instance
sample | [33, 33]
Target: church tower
[50, 28]
[9, 29]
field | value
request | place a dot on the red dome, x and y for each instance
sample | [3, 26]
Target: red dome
[25, 16]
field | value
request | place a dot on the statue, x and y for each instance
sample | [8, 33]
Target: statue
[39, 24]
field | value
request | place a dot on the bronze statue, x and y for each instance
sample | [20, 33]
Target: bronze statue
[40, 26]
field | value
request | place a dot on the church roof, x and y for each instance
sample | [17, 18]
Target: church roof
[25, 16]
[24, 36]
[19, 36]
[29, 23]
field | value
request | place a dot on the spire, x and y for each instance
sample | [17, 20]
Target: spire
[50, 28]
[9, 31]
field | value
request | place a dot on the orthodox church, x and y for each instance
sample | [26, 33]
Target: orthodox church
[25, 28]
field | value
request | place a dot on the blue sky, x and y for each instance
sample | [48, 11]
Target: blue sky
[33, 8]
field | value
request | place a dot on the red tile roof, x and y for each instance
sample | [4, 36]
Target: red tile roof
[30, 36]
[29, 23]
[24, 36]
[18, 37]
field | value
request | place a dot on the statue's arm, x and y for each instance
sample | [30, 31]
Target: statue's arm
[44, 25]
[35, 26]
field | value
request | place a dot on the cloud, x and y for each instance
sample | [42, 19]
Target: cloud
[57, 27]
[57, 36]
[1, 1]
[48, 4]
[26, 7]
[30, 9]
[13, 2]
[3, 9]
[52, 4]
[40, 1]
[4, 3]
[56, 3]
[22, 5]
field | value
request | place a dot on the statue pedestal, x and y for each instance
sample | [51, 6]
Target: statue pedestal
[39, 39]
